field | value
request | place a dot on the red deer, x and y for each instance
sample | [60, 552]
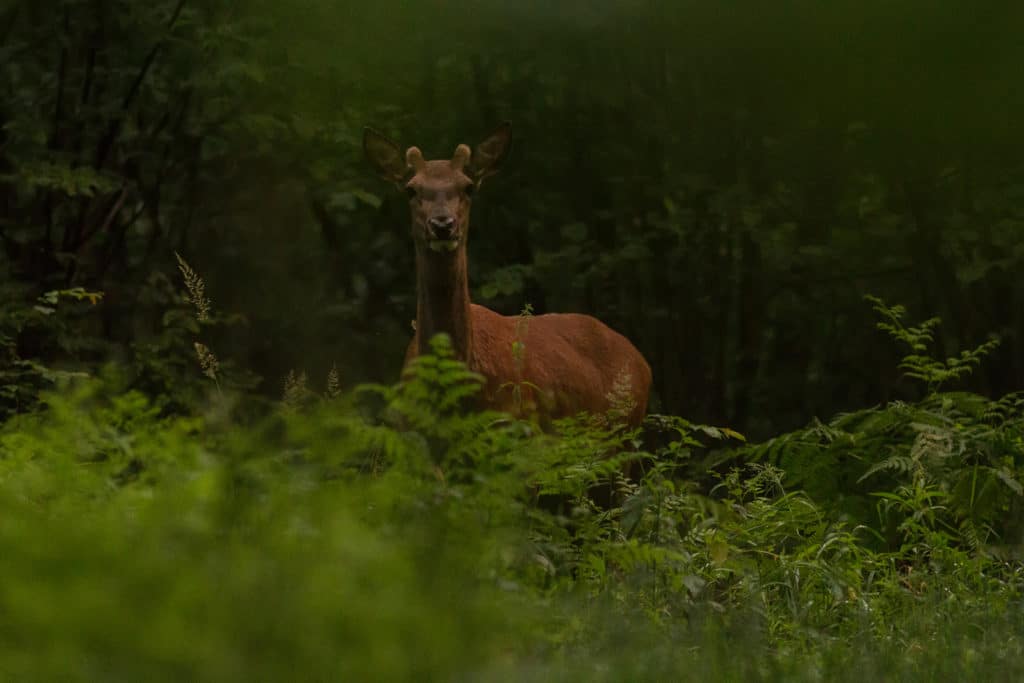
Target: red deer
[567, 362]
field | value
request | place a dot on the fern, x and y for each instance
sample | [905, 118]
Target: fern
[917, 364]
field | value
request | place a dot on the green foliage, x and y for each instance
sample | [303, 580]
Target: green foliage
[917, 365]
[22, 376]
[952, 464]
[388, 533]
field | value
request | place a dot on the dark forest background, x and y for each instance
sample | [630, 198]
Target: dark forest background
[723, 182]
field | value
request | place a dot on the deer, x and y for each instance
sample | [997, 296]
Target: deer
[568, 363]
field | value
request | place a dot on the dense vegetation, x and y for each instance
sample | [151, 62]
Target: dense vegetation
[235, 489]
[384, 533]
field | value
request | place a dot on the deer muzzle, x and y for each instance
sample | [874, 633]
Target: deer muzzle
[442, 234]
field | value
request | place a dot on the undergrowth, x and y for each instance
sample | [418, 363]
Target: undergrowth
[385, 533]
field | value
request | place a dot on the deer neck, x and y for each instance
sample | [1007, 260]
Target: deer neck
[442, 291]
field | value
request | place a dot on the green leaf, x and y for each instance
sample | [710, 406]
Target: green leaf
[367, 198]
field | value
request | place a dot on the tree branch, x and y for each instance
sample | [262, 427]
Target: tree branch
[105, 225]
[114, 129]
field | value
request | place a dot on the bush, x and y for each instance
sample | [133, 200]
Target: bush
[386, 534]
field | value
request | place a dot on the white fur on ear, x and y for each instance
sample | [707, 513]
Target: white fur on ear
[461, 157]
[414, 158]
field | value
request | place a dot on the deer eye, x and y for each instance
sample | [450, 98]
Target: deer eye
[470, 189]
[411, 191]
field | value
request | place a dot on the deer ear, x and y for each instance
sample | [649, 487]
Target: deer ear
[491, 153]
[384, 155]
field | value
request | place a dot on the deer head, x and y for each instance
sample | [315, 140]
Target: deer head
[440, 191]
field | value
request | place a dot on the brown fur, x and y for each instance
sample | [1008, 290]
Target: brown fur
[573, 360]
[568, 363]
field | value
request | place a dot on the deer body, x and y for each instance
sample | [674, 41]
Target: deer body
[550, 366]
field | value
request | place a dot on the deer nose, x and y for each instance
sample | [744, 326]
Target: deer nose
[443, 227]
